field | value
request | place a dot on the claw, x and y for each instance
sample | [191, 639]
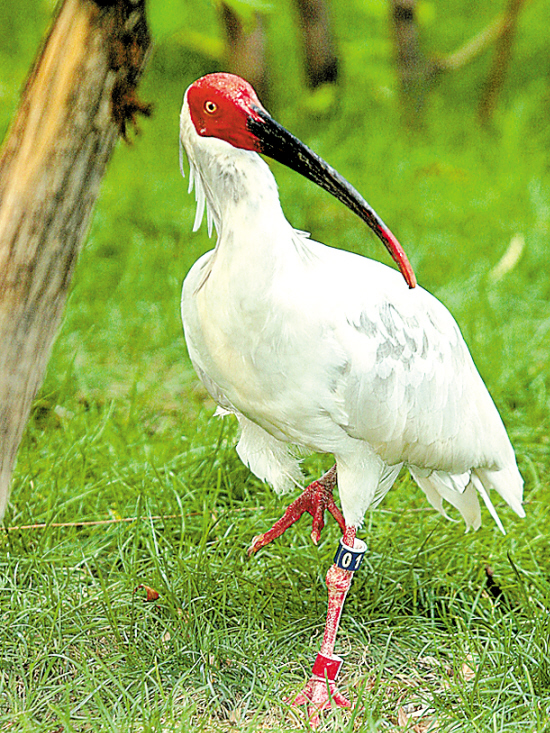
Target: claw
[255, 545]
[318, 521]
[315, 499]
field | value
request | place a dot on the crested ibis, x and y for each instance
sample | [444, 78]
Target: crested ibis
[314, 348]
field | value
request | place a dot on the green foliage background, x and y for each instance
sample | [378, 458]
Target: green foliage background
[121, 428]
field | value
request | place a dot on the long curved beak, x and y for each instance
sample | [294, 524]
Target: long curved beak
[281, 145]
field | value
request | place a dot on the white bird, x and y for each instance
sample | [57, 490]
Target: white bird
[317, 349]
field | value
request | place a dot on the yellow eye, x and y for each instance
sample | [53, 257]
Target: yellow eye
[210, 107]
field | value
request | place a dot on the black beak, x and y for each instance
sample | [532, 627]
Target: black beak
[278, 143]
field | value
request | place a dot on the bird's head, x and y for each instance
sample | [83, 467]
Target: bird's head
[220, 105]
[226, 107]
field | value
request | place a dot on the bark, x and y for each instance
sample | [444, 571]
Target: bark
[501, 61]
[412, 66]
[321, 62]
[246, 49]
[78, 98]
[416, 72]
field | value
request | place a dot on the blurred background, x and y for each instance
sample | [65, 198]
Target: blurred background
[456, 163]
[438, 113]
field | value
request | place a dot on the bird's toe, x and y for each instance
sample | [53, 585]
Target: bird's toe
[320, 695]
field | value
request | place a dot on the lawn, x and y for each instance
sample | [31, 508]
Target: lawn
[125, 480]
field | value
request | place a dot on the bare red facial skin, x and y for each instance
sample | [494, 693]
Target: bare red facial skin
[220, 105]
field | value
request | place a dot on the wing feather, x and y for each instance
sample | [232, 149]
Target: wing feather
[412, 390]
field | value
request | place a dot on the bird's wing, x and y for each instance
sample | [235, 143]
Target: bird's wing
[409, 386]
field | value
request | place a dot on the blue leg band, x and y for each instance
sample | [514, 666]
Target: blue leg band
[349, 558]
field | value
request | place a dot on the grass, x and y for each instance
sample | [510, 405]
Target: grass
[121, 430]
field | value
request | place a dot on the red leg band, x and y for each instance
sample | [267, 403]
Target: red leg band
[327, 667]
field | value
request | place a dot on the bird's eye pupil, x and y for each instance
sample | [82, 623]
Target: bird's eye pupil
[210, 107]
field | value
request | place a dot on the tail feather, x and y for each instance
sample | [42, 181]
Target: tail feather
[437, 486]
[461, 491]
[488, 503]
[508, 483]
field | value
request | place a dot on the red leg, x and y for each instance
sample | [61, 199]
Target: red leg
[315, 499]
[320, 691]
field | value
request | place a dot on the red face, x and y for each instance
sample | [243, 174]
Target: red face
[220, 105]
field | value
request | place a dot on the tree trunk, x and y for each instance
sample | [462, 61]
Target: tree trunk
[501, 61]
[246, 49]
[78, 98]
[412, 66]
[320, 56]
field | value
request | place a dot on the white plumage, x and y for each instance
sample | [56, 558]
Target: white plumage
[317, 349]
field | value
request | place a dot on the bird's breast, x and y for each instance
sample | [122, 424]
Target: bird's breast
[259, 340]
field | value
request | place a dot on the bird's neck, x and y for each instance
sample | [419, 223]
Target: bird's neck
[236, 188]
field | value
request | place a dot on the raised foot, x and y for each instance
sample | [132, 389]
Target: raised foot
[315, 499]
[320, 695]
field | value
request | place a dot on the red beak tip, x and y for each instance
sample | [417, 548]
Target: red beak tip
[398, 254]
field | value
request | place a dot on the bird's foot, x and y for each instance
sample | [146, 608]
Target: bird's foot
[315, 499]
[320, 694]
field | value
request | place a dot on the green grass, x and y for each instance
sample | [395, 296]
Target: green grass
[121, 430]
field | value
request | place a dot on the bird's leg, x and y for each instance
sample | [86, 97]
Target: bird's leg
[315, 499]
[320, 691]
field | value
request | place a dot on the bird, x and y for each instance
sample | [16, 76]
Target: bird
[316, 349]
